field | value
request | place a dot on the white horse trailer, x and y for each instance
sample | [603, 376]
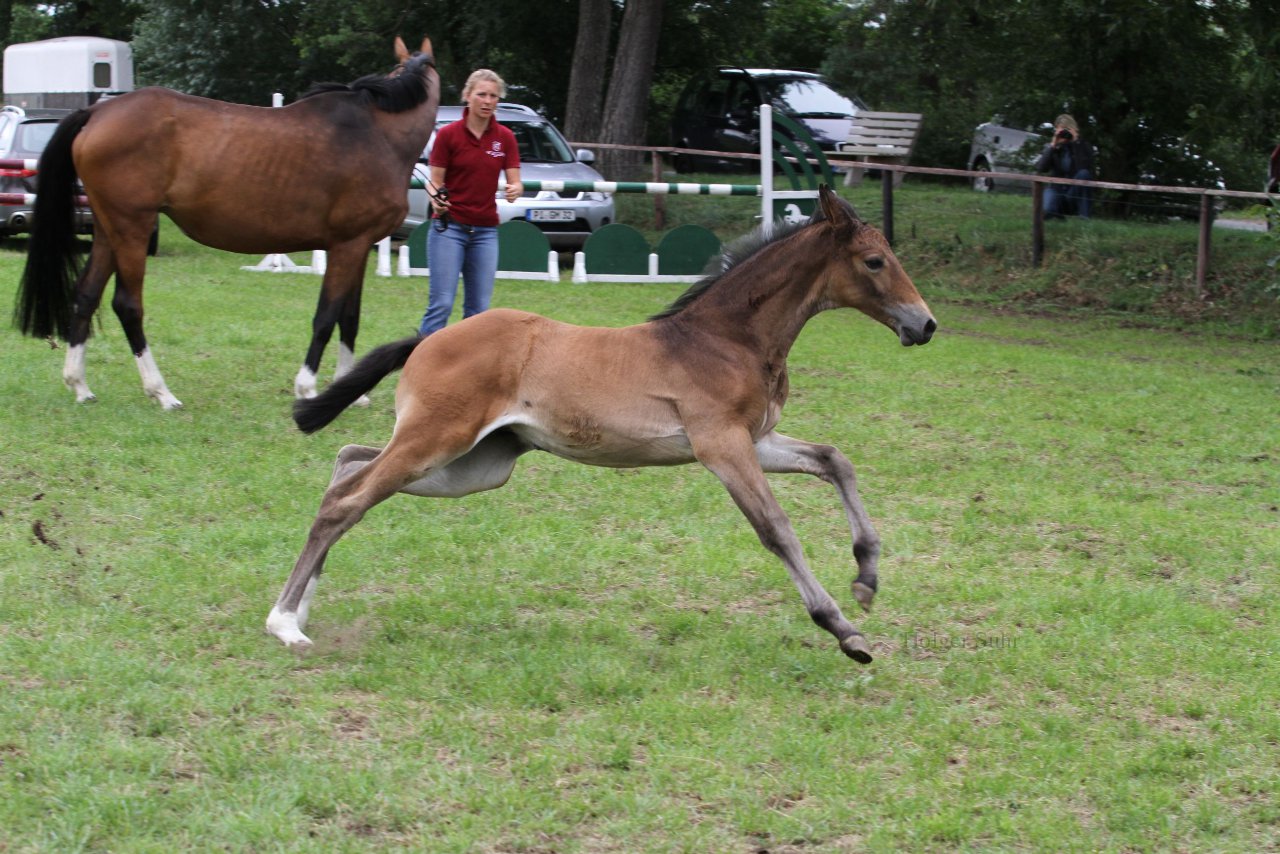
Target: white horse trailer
[66, 73]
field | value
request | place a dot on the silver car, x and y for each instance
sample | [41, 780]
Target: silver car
[567, 218]
[999, 148]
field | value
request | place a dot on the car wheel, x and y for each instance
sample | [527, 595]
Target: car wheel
[983, 184]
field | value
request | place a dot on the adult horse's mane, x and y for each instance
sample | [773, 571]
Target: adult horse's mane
[404, 91]
[734, 254]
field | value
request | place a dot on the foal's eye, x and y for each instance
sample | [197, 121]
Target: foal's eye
[875, 263]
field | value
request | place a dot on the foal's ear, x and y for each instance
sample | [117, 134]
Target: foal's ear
[425, 50]
[402, 52]
[835, 209]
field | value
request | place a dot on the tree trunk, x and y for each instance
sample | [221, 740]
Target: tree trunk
[586, 79]
[627, 104]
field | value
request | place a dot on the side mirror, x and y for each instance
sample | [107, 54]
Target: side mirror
[585, 156]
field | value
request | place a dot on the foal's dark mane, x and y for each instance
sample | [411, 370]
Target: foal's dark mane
[406, 90]
[733, 255]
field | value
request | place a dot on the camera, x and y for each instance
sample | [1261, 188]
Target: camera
[1065, 135]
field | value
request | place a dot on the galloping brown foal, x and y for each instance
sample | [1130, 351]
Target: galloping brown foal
[705, 380]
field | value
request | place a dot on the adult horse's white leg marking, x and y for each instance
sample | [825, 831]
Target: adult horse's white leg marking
[73, 374]
[153, 383]
[346, 361]
[304, 384]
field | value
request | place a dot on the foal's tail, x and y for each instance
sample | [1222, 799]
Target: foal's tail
[313, 413]
[47, 293]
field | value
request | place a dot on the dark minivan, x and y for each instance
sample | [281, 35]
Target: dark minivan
[23, 136]
[719, 111]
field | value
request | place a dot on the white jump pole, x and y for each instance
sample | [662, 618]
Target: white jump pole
[766, 163]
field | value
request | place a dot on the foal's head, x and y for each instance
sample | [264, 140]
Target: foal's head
[863, 273]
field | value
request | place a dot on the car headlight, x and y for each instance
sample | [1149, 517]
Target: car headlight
[594, 197]
[547, 196]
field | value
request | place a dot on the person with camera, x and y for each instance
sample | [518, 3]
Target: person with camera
[466, 160]
[1067, 156]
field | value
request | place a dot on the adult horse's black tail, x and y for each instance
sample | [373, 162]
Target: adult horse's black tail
[47, 293]
[313, 413]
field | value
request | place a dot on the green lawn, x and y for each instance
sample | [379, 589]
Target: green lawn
[1077, 634]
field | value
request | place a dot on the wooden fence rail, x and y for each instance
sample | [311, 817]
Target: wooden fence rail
[1206, 195]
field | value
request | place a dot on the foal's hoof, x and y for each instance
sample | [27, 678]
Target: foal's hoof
[285, 627]
[856, 647]
[863, 594]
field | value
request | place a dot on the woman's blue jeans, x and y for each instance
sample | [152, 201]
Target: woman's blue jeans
[469, 251]
[1060, 199]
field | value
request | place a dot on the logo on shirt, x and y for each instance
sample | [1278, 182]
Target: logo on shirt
[496, 150]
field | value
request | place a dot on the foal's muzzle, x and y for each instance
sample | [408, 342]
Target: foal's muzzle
[915, 325]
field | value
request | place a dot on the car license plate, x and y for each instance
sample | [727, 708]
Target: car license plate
[550, 216]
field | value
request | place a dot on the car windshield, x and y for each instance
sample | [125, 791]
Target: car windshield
[808, 97]
[538, 142]
[34, 136]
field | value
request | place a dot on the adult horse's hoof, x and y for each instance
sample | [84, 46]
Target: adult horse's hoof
[864, 594]
[856, 647]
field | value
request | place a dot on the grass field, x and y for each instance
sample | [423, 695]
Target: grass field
[1077, 634]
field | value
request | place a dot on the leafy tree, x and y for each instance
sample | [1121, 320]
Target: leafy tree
[1247, 122]
[1140, 75]
[627, 102]
[585, 99]
[233, 50]
[27, 20]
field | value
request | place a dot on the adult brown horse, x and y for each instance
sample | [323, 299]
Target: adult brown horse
[329, 171]
[705, 380]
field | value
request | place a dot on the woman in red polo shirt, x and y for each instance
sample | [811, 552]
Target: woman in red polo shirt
[466, 159]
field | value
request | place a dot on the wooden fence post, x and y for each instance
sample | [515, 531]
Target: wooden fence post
[1037, 223]
[886, 199]
[1202, 249]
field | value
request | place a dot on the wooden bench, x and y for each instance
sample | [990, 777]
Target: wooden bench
[880, 138]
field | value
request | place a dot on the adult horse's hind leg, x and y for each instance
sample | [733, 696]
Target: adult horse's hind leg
[730, 456]
[785, 455]
[348, 328]
[365, 476]
[131, 263]
[128, 233]
[89, 289]
[343, 277]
